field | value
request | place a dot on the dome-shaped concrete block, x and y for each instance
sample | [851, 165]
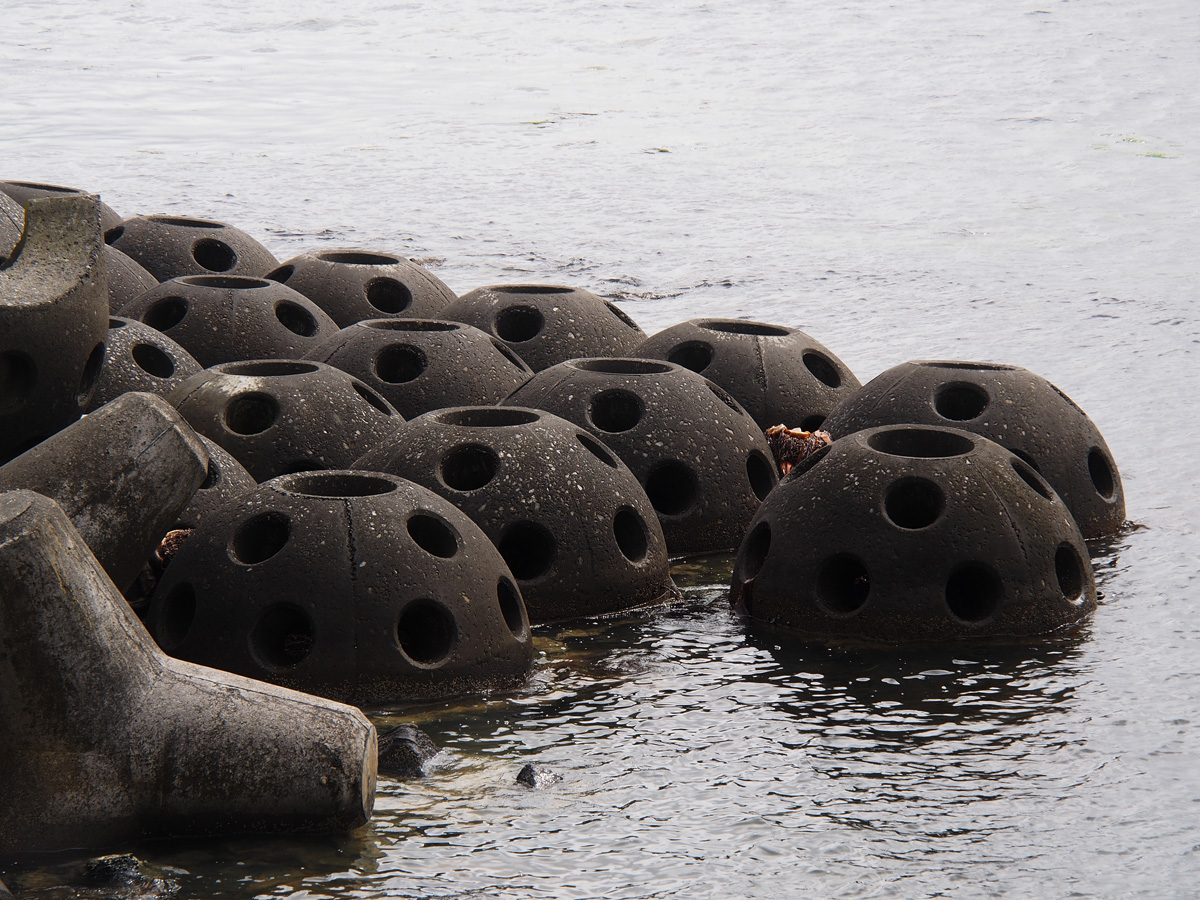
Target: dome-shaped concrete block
[358, 586]
[418, 365]
[24, 191]
[223, 318]
[700, 457]
[567, 515]
[546, 324]
[122, 474]
[277, 416]
[226, 481]
[171, 246]
[12, 221]
[53, 321]
[353, 285]
[911, 533]
[140, 358]
[1017, 409]
[105, 740]
[126, 279]
[780, 375]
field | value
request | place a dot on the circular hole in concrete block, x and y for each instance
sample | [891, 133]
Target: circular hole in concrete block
[622, 315]
[178, 613]
[811, 423]
[528, 548]
[598, 450]
[226, 282]
[282, 637]
[511, 607]
[630, 532]
[388, 295]
[1101, 473]
[920, 443]
[960, 401]
[296, 319]
[973, 592]
[754, 554]
[843, 584]
[260, 537]
[358, 258]
[252, 413]
[400, 363]
[510, 355]
[913, 503]
[426, 632]
[268, 368]
[1030, 477]
[214, 255]
[411, 325]
[615, 411]
[114, 234]
[300, 465]
[1068, 569]
[622, 366]
[376, 402]
[282, 274]
[91, 374]
[114, 324]
[182, 222]
[469, 467]
[672, 488]
[433, 535]
[727, 398]
[530, 289]
[757, 329]
[488, 417]
[967, 366]
[822, 368]
[336, 484]
[761, 474]
[519, 323]
[165, 314]
[152, 360]
[694, 355]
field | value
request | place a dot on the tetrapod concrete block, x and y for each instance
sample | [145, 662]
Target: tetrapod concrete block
[122, 474]
[104, 739]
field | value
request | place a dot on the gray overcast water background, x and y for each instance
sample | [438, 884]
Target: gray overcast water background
[1004, 180]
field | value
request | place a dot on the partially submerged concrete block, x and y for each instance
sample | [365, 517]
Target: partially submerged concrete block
[104, 739]
[53, 321]
[122, 474]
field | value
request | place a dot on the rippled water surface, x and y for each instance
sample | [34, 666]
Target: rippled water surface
[1013, 181]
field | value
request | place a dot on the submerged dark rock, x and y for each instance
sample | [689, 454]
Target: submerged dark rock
[537, 777]
[403, 751]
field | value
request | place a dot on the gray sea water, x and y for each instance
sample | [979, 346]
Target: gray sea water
[1005, 180]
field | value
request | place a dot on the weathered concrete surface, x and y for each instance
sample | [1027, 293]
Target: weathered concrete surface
[122, 474]
[140, 358]
[53, 321]
[24, 191]
[104, 739]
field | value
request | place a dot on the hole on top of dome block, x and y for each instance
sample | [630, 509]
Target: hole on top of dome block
[745, 326]
[336, 484]
[488, 417]
[268, 368]
[530, 289]
[225, 282]
[621, 366]
[357, 258]
[181, 222]
[411, 325]
[920, 443]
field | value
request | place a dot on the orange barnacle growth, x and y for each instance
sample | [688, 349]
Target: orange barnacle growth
[790, 446]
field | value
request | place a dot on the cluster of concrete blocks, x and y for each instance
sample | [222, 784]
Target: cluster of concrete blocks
[333, 476]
